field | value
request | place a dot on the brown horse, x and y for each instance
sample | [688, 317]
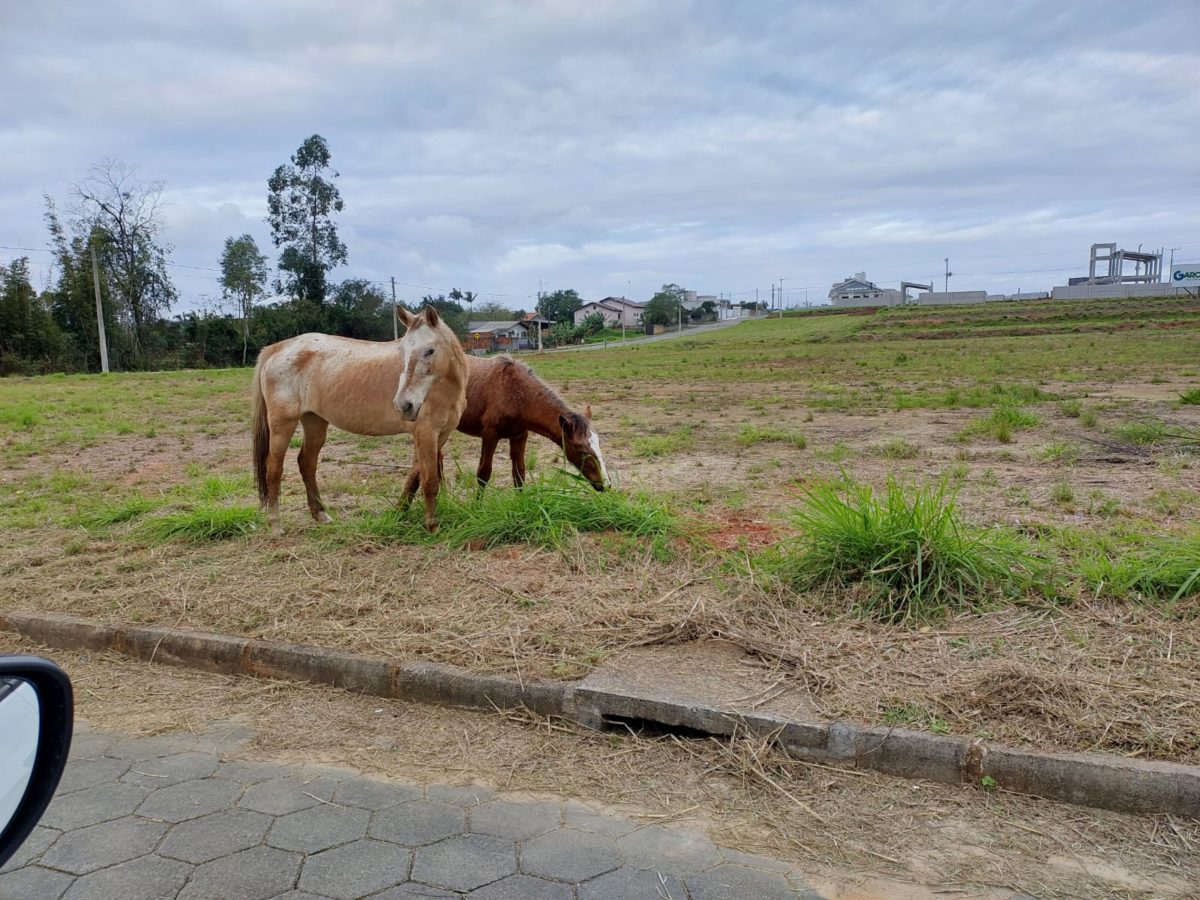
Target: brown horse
[415, 385]
[506, 401]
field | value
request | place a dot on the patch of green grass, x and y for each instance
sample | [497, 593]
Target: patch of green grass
[108, 513]
[218, 488]
[651, 445]
[1167, 568]
[1147, 431]
[914, 716]
[202, 522]
[752, 434]
[545, 512]
[907, 548]
[22, 416]
[898, 448]
[1061, 451]
[1190, 396]
[1089, 418]
[1072, 409]
[1000, 423]
[1063, 494]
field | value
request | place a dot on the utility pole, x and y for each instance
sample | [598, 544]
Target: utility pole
[395, 322]
[103, 338]
[624, 309]
[948, 274]
[781, 298]
[538, 317]
[1172, 264]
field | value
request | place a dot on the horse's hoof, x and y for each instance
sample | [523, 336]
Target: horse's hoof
[431, 526]
[323, 518]
[277, 530]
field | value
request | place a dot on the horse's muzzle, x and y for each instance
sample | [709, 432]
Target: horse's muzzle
[408, 410]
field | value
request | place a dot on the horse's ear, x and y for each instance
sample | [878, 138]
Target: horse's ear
[406, 318]
[431, 316]
[587, 412]
[568, 427]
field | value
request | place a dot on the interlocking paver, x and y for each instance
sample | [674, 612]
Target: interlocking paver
[355, 870]
[459, 794]
[251, 772]
[567, 855]
[223, 738]
[85, 773]
[150, 747]
[504, 818]
[587, 819]
[751, 861]
[96, 846]
[727, 880]
[34, 881]
[163, 771]
[301, 895]
[217, 834]
[633, 884]
[465, 862]
[92, 805]
[189, 799]
[35, 845]
[674, 851]
[319, 828]
[144, 878]
[256, 874]
[418, 822]
[522, 887]
[281, 796]
[88, 744]
[368, 794]
[413, 891]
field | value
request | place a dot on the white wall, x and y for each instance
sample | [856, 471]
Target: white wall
[1101, 291]
[942, 298]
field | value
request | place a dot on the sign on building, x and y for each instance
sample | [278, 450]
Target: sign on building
[1185, 275]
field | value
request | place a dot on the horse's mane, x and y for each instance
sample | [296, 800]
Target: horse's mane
[523, 370]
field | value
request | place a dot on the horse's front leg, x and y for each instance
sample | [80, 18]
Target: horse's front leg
[411, 483]
[484, 473]
[428, 446]
[516, 448]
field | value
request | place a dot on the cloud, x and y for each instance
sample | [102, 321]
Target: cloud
[493, 146]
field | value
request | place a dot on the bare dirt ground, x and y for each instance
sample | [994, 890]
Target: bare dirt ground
[861, 835]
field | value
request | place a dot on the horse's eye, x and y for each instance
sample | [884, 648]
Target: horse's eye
[429, 352]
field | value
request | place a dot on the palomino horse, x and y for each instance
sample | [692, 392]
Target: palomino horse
[506, 401]
[416, 385]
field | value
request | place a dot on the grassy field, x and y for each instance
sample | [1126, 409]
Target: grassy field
[970, 520]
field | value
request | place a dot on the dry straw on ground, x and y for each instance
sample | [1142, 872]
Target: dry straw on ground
[827, 821]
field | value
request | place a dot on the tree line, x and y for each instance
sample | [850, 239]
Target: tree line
[110, 240]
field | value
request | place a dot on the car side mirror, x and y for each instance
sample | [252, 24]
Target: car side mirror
[36, 721]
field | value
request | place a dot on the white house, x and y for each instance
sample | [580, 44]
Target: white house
[614, 310]
[857, 291]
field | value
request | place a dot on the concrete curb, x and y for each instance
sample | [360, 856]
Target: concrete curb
[1086, 779]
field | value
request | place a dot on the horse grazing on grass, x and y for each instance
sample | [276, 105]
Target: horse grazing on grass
[506, 401]
[415, 385]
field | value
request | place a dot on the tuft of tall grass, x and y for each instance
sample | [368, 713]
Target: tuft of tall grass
[1167, 568]
[1061, 451]
[1000, 423]
[752, 434]
[545, 512]
[898, 448]
[106, 514]
[217, 488]
[1148, 431]
[203, 522]
[662, 444]
[1190, 396]
[905, 548]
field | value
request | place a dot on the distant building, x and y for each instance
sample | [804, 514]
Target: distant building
[488, 337]
[857, 291]
[616, 311]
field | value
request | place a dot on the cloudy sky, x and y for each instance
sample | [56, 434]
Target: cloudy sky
[594, 143]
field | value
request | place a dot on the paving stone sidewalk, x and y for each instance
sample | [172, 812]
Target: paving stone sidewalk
[177, 816]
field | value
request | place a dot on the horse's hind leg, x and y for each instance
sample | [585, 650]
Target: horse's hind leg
[516, 449]
[281, 435]
[411, 483]
[484, 473]
[315, 429]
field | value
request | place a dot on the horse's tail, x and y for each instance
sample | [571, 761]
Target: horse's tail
[261, 429]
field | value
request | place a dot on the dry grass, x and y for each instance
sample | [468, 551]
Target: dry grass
[852, 833]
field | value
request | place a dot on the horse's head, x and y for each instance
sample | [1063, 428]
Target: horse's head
[581, 443]
[429, 352]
